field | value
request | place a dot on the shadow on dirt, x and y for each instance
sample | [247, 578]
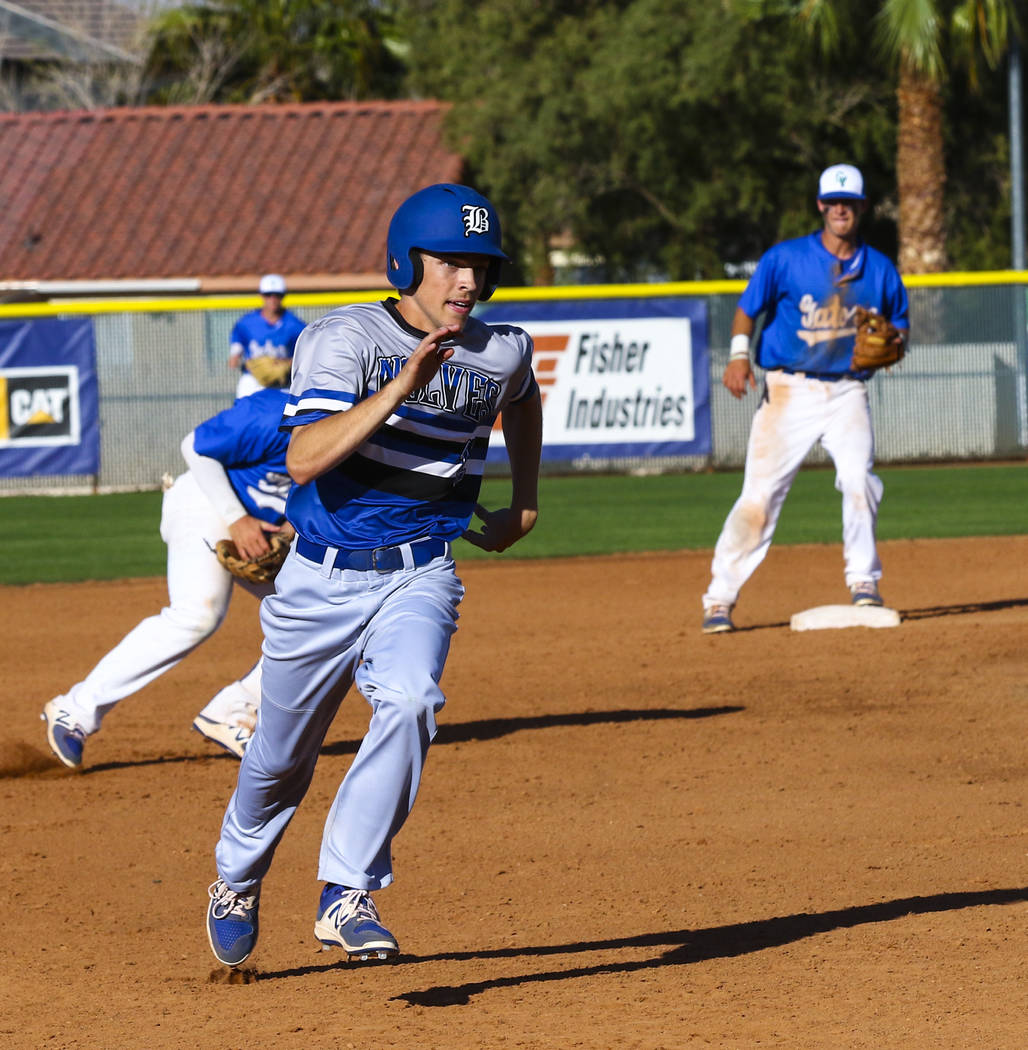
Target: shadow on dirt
[493, 728]
[692, 946]
[930, 613]
[457, 733]
[157, 760]
[964, 609]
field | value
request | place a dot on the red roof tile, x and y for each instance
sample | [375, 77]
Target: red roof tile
[211, 191]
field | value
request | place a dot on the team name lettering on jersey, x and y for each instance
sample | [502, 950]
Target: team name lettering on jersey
[454, 389]
[271, 491]
[822, 323]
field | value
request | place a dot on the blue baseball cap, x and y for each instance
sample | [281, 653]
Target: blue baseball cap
[841, 182]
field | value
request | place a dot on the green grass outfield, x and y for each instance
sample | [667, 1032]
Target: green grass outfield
[70, 538]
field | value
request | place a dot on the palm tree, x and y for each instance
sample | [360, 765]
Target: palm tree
[915, 37]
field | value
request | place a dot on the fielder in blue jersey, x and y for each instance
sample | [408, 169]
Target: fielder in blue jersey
[808, 290]
[268, 333]
[389, 414]
[235, 488]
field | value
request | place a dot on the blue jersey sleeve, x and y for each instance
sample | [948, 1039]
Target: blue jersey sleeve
[762, 289]
[246, 441]
[808, 297]
[247, 433]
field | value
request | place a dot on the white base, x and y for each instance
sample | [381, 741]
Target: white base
[836, 616]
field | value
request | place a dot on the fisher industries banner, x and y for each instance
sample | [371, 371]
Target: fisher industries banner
[49, 410]
[620, 378]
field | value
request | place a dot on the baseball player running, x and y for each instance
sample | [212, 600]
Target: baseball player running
[235, 486]
[809, 288]
[262, 342]
[390, 410]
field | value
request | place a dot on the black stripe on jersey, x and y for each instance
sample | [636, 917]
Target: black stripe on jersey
[290, 423]
[411, 484]
[417, 443]
[418, 446]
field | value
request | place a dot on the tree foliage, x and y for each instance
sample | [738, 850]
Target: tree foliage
[921, 41]
[978, 177]
[657, 139]
[930, 36]
[274, 51]
[667, 139]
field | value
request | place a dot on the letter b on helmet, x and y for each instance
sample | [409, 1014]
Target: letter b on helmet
[447, 219]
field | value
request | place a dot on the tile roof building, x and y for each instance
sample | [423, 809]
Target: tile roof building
[212, 196]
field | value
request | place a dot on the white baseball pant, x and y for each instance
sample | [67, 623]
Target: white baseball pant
[388, 633]
[199, 590]
[797, 412]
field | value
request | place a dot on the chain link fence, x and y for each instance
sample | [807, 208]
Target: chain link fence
[960, 394]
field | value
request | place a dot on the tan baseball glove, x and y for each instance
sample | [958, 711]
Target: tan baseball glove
[878, 343]
[261, 570]
[270, 371]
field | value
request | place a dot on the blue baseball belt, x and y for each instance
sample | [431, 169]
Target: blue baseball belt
[376, 559]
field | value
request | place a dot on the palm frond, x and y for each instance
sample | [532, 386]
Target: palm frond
[909, 32]
[983, 27]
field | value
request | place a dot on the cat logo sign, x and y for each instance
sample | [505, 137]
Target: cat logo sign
[39, 406]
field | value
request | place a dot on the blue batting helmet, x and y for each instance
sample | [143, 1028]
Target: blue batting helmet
[448, 219]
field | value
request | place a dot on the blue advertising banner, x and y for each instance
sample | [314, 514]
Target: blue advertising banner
[620, 378]
[49, 404]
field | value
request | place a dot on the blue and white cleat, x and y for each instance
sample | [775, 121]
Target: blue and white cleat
[865, 593]
[348, 919]
[231, 923]
[64, 735]
[233, 736]
[717, 619]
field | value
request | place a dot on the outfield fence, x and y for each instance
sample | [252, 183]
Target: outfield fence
[961, 393]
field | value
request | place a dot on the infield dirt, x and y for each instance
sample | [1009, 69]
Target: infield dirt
[629, 834]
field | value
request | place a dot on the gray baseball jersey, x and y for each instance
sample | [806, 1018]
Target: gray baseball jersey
[369, 593]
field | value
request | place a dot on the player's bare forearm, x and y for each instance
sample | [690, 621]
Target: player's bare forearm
[522, 432]
[523, 436]
[738, 374]
[742, 323]
[318, 447]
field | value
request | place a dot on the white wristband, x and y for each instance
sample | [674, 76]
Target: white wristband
[740, 348]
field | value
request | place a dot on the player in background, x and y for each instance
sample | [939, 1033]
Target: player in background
[235, 486]
[808, 288]
[271, 331]
[390, 409]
